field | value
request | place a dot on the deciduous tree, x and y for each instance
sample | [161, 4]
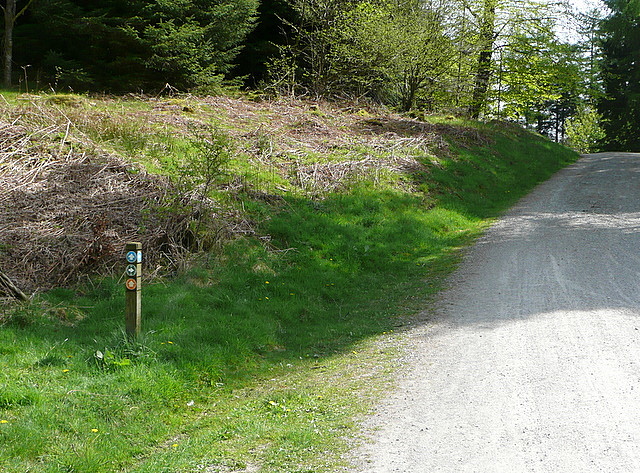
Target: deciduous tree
[494, 24]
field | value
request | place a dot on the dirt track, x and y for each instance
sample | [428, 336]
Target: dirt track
[531, 362]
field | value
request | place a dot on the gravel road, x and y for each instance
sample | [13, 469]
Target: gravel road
[531, 360]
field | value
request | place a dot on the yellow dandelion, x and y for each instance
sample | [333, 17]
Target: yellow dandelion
[266, 282]
[94, 430]
[170, 343]
[65, 371]
[4, 421]
[266, 298]
[174, 445]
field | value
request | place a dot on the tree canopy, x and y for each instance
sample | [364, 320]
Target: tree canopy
[481, 58]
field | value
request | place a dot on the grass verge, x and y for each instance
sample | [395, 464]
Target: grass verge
[263, 356]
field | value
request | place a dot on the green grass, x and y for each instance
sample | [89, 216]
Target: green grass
[263, 356]
[9, 96]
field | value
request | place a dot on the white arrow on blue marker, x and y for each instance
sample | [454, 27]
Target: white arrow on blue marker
[132, 257]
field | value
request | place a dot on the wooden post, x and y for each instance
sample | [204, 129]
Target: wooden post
[133, 302]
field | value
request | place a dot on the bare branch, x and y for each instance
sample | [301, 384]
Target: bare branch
[24, 9]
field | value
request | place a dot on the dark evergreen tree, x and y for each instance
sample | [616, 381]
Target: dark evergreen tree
[85, 45]
[620, 107]
[273, 29]
[133, 45]
[194, 42]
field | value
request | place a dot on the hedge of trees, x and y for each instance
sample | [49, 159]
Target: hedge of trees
[504, 59]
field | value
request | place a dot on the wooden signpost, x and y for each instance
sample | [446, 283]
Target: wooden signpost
[133, 302]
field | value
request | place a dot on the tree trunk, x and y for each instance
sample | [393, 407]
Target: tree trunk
[411, 86]
[483, 73]
[7, 45]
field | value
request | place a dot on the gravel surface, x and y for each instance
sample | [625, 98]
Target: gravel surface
[531, 360]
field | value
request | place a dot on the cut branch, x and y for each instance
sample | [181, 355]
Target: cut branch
[8, 287]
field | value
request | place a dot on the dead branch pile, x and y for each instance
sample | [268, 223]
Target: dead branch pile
[66, 212]
[322, 178]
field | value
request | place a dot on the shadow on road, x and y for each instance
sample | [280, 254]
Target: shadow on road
[571, 245]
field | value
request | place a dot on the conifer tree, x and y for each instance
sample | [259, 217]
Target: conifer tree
[124, 45]
[620, 107]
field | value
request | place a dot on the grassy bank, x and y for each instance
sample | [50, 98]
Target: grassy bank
[265, 352]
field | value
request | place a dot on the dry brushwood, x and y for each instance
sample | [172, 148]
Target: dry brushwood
[67, 208]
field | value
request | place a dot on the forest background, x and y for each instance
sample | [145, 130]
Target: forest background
[496, 59]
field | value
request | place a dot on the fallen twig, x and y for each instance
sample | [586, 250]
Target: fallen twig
[8, 287]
